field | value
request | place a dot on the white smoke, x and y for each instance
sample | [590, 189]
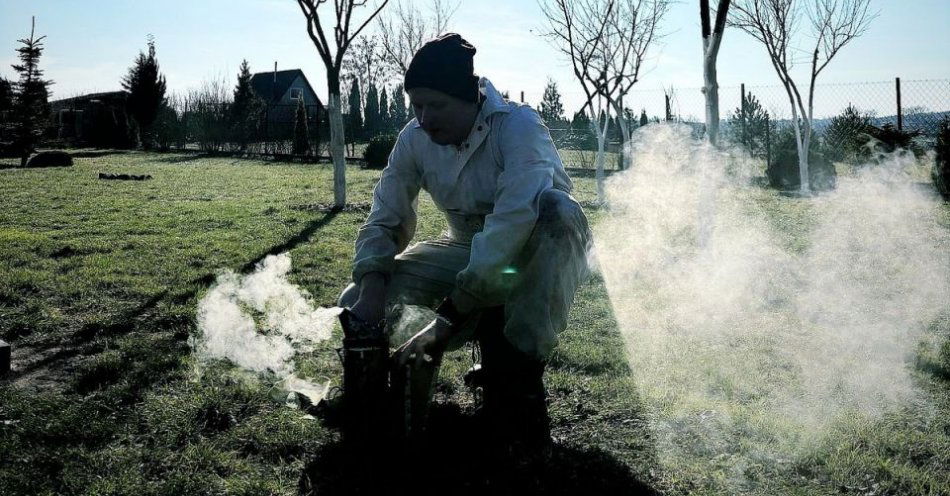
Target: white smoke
[409, 319]
[261, 321]
[755, 323]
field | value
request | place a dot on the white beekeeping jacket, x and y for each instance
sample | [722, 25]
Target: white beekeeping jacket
[498, 172]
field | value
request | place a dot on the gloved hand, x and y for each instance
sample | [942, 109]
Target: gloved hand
[427, 345]
[371, 304]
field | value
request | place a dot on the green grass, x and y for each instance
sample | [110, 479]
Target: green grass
[99, 282]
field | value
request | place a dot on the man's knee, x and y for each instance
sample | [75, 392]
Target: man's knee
[349, 296]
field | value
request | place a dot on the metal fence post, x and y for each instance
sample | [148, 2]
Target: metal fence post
[900, 112]
[768, 143]
[745, 141]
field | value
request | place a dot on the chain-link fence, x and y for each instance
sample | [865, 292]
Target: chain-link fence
[889, 112]
[908, 105]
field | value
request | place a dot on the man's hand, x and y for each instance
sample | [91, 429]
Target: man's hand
[371, 304]
[427, 345]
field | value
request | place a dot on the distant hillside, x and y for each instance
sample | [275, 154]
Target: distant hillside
[925, 122]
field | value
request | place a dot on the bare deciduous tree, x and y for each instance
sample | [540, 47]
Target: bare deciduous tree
[634, 29]
[712, 38]
[606, 42]
[774, 23]
[332, 53]
[404, 29]
[576, 29]
[365, 63]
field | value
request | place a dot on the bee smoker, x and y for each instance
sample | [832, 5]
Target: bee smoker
[382, 401]
[365, 356]
[411, 393]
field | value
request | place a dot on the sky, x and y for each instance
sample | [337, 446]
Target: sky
[91, 44]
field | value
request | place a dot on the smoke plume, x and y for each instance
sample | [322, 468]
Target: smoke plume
[261, 321]
[756, 323]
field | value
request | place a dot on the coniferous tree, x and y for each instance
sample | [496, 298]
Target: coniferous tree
[146, 88]
[301, 131]
[385, 119]
[6, 95]
[847, 134]
[6, 105]
[371, 114]
[751, 128]
[582, 137]
[552, 110]
[246, 109]
[644, 120]
[400, 113]
[30, 107]
[354, 118]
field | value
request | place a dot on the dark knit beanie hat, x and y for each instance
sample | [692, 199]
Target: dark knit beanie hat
[445, 64]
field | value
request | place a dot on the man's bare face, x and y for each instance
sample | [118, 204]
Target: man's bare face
[446, 119]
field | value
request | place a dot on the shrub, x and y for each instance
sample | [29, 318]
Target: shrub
[888, 139]
[783, 170]
[167, 129]
[941, 170]
[54, 158]
[378, 150]
[847, 135]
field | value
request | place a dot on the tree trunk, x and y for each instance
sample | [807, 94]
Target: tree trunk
[337, 150]
[801, 145]
[601, 131]
[711, 91]
[803, 164]
[624, 133]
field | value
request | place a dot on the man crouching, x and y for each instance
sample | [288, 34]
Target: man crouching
[516, 248]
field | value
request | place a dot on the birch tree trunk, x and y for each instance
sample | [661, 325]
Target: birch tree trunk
[337, 151]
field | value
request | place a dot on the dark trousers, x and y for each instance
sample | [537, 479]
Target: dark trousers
[515, 405]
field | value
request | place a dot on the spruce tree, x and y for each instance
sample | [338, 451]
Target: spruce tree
[644, 120]
[371, 115]
[146, 88]
[6, 95]
[246, 109]
[301, 131]
[354, 118]
[398, 110]
[552, 110]
[581, 135]
[385, 119]
[31, 93]
[749, 128]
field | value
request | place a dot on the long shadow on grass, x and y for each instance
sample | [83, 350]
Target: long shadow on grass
[452, 462]
[181, 158]
[290, 244]
[87, 340]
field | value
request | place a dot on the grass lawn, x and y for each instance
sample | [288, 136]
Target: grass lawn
[99, 283]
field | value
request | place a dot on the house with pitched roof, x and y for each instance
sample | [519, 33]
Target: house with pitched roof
[282, 91]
